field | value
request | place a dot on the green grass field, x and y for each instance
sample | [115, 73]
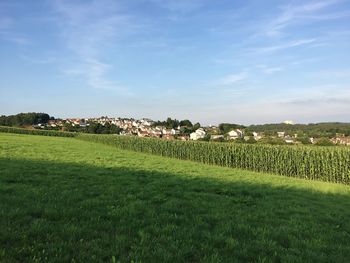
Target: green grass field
[65, 200]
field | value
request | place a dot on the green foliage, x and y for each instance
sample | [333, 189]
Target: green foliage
[317, 130]
[23, 119]
[304, 140]
[186, 130]
[315, 163]
[239, 140]
[324, 142]
[98, 128]
[251, 140]
[226, 127]
[272, 141]
[196, 126]
[36, 132]
[186, 123]
[169, 123]
[206, 138]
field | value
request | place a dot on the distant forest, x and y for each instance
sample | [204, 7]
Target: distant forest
[25, 119]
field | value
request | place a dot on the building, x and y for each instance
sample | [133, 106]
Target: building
[235, 134]
[281, 134]
[216, 137]
[198, 134]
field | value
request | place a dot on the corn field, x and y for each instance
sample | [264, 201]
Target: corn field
[330, 164]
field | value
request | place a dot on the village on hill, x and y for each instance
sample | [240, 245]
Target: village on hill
[185, 130]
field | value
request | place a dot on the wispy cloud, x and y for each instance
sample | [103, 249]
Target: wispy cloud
[269, 70]
[290, 44]
[88, 29]
[296, 14]
[43, 61]
[343, 73]
[8, 33]
[232, 79]
[14, 38]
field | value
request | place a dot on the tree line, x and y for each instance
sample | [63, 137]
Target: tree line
[24, 119]
[316, 130]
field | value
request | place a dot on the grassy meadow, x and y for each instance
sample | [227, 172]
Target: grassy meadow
[66, 200]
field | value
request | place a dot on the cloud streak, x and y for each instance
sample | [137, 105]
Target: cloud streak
[296, 14]
[232, 79]
[290, 44]
[87, 30]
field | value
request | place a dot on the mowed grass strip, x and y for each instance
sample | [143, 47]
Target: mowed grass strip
[64, 200]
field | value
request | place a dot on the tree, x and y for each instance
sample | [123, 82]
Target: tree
[196, 126]
[304, 140]
[23, 119]
[115, 129]
[186, 123]
[271, 140]
[226, 127]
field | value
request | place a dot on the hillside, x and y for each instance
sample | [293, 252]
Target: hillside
[69, 200]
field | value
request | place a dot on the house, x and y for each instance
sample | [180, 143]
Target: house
[216, 137]
[146, 122]
[198, 134]
[257, 136]
[288, 139]
[143, 134]
[341, 140]
[156, 133]
[235, 134]
[281, 134]
[169, 132]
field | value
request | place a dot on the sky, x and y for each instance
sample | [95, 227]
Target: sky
[239, 61]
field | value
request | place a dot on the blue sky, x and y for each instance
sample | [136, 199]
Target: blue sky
[209, 61]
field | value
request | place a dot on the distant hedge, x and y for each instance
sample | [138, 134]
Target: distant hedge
[330, 164]
[37, 132]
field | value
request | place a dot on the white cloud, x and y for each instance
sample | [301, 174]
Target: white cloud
[47, 60]
[269, 70]
[232, 79]
[88, 29]
[290, 44]
[8, 33]
[298, 14]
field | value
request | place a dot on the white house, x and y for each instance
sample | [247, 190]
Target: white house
[281, 134]
[169, 132]
[257, 136]
[235, 134]
[198, 134]
[216, 137]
